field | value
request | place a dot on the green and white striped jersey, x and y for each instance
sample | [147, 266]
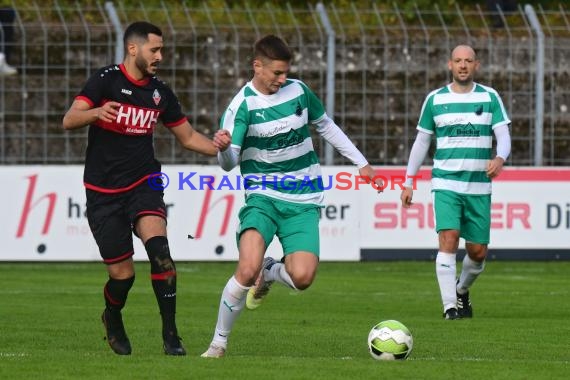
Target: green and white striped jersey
[463, 125]
[277, 157]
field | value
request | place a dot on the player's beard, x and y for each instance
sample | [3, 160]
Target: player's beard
[142, 64]
[463, 81]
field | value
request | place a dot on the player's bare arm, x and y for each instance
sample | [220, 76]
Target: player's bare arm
[194, 140]
[495, 167]
[406, 197]
[80, 114]
[222, 139]
[369, 173]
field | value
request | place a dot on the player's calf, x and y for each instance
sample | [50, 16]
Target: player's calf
[163, 276]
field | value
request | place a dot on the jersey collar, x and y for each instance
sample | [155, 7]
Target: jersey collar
[142, 82]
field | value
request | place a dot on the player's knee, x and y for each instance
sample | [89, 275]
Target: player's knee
[122, 269]
[448, 240]
[302, 284]
[476, 251]
[302, 280]
[479, 257]
[159, 255]
[246, 275]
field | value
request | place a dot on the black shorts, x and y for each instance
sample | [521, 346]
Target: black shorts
[112, 218]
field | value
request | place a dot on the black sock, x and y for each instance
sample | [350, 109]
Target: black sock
[166, 297]
[115, 293]
[163, 277]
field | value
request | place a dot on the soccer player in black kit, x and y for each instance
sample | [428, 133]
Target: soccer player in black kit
[122, 105]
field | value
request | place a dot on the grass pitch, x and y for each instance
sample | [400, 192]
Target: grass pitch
[50, 324]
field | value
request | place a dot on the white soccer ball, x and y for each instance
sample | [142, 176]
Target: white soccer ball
[390, 340]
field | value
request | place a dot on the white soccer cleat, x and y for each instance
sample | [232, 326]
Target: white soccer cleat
[261, 288]
[214, 351]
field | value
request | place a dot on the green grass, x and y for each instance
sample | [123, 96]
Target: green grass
[50, 327]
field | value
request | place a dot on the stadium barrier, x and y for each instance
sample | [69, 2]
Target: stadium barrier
[388, 57]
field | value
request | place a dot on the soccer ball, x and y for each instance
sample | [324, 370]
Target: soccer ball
[390, 340]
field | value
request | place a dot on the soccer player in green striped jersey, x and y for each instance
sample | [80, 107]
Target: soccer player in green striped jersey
[462, 116]
[270, 121]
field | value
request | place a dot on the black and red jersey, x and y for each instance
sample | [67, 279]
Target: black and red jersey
[120, 154]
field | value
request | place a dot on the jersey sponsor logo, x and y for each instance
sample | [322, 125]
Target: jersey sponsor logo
[125, 91]
[466, 131]
[133, 120]
[281, 126]
[291, 138]
[156, 97]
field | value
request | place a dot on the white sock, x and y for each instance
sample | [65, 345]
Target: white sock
[278, 273]
[231, 304]
[445, 269]
[469, 272]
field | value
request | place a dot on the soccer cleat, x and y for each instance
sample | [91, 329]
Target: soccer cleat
[115, 333]
[464, 306]
[451, 314]
[214, 351]
[261, 288]
[172, 344]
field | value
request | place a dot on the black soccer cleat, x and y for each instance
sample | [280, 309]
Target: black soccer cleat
[115, 333]
[173, 344]
[451, 314]
[464, 306]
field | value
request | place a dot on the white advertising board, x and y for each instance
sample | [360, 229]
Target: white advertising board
[530, 210]
[44, 217]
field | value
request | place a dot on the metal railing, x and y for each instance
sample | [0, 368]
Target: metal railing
[386, 60]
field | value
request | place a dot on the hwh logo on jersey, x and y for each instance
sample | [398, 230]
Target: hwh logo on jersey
[136, 120]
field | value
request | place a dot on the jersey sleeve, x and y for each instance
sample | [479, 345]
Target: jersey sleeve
[426, 123]
[93, 92]
[315, 108]
[172, 115]
[499, 112]
[235, 119]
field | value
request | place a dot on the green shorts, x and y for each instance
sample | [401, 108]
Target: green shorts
[469, 214]
[296, 225]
